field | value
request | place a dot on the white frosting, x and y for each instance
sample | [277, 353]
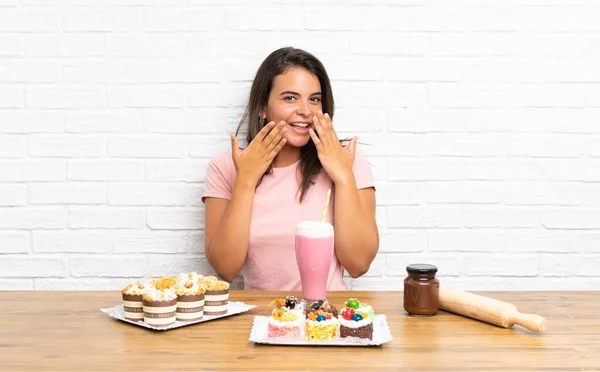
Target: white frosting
[158, 295]
[323, 322]
[314, 229]
[193, 276]
[136, 288]
[295, 323]
[195, 288]
[353, 324]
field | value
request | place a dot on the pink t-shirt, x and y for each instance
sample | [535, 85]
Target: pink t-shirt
[271, 260]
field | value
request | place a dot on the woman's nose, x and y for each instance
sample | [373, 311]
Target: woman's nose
[303, 108]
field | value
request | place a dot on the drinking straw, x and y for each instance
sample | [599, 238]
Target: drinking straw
[326, 205]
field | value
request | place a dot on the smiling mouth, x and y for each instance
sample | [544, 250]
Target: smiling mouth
[300, 125]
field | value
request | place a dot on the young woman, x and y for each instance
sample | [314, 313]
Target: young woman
[255, 196]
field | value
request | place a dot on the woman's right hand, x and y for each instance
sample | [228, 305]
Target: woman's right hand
[253, 162]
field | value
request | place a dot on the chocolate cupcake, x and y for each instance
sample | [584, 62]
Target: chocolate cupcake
[160, 307]
[190, 300]
[216, 299]
[132, 301]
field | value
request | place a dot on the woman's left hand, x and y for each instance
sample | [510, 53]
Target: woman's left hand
[335, 159]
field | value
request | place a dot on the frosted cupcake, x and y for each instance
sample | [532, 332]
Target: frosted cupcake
[132, 301]
[216, 298]
[286, 319]
[356, 320]
[160, 306]
[190, 300]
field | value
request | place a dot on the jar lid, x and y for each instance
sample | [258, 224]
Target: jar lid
[421, 269]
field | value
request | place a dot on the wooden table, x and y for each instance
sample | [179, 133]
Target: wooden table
[60, 331]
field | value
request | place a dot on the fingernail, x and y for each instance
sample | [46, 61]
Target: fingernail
[320, 112]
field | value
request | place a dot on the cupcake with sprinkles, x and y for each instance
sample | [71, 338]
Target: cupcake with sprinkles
[190, 299]
[132, 301]
[216, 298]
[356, 320]
[321, 322]
[286, 318]
[160, 307]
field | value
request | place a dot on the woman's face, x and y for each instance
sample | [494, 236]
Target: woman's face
[295, 98]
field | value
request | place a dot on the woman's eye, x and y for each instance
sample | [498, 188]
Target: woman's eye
[289, 98]
[316, 99]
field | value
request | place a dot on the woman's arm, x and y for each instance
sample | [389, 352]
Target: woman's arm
[227, 223]
[356, 233]
[227, 230]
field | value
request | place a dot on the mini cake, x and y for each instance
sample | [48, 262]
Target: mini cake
[356, 321]
[216, 298]
[160, 306]
[286, 319]
[164, 282]
[321, 322]
[190, 300]
[132, 301]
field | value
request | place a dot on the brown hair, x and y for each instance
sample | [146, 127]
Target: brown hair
[275, 64]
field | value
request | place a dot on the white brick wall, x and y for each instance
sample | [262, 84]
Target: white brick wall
[481, 121]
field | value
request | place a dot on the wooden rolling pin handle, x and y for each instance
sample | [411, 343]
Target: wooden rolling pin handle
[532, 322]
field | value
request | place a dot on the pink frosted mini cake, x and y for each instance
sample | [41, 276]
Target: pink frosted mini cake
[286, 318]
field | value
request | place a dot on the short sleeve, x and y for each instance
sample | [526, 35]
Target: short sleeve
[220, 177]
[362, 171]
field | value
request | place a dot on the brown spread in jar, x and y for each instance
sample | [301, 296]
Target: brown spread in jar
[421, 290]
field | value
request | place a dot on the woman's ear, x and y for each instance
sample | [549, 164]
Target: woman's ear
[263, 118]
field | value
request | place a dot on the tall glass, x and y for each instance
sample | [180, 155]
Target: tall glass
[314, 251]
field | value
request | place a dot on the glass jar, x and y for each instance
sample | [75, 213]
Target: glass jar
[421, 290]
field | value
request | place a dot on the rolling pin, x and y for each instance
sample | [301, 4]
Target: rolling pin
[488, 310]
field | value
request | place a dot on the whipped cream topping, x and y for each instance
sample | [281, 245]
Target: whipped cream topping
[183, 277]
[314, 229]
[135, 289]
[355, 324]
[153, 294]
[189, 287]
[212, 283]
[323, 322]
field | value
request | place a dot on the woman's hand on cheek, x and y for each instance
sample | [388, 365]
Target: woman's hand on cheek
[335, 159]
[252, 163]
